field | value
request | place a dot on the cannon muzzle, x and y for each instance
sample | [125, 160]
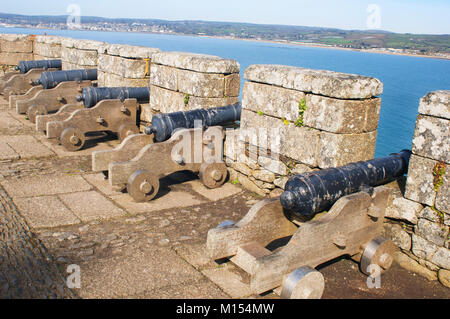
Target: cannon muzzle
[49, 80]
[164, 125]
[312, 193]
[92, 95]
[25, 66]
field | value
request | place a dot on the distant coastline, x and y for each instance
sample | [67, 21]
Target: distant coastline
[303, 44]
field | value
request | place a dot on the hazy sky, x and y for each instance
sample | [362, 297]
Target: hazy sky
[414, 16]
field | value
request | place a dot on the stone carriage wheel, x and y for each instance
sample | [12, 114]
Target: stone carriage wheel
[35, 110]
[379, 251]
[213, 175]
[143, 186]
[303, 283]
[72, 139]
[127, 129]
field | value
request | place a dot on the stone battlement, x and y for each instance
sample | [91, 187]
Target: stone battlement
[294, 120]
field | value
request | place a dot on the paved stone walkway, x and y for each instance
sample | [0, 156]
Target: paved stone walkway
[56, 213]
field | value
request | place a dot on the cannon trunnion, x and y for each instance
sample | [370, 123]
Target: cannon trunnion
[351, 227]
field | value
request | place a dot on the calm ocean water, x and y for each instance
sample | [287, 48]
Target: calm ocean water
[406, 79]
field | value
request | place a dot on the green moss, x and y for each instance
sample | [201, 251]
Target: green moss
[286, 122]
[438, 173]
[235, 182]
[260, 113]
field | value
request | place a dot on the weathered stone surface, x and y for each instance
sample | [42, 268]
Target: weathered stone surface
[79, 57]
[301, 169]
[404, 209]
[112, 80]
[436, 104]
[46, 212]
[232, 84]
[48, 39]
[327, 83]
[444, 277]
[432, 138]
[341, 149]
[264, 175]
[342, 116]
[430, 214]
[420, 183]
[45, 185]
[271, 100]
[127, 68]
[398, 235]
[196, 62]
[167, 101]
[89, 206]
[411, 265]
[201, 84]
[164, 77]
[47, 50]
[424, 249]
[13, 44]
[127, 51]
[251, 186]
[443, 195]
[27, 269]
[433, 232]
[280, 137]
[7, 58]
[87, 45]
[281, 182]
[272, 165]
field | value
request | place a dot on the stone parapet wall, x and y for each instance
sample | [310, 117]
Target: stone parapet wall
[15, 48]
[421, 219]
[47, 47]
[184, 81]
[80, 54]
[124, 65]
[296, 120]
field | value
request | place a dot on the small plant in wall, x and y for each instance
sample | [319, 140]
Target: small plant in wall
[260, 113]
[186, 99]
[286, 122]
[302, 109]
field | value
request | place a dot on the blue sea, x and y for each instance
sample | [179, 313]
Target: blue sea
[406, 79]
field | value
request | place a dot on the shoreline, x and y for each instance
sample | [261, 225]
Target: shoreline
[308, 45]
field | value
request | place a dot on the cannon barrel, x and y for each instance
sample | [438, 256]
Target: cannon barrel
[308, 194]
[49, 80]
[92, 95]
[25, 66]
[164, 125]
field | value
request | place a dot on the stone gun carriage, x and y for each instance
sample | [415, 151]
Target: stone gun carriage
[52, 91]
[324, 215]
[112, 110]
[181, 141]
[23, 78]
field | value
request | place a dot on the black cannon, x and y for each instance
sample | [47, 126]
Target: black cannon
[25, 66]
[164, 125]
[17, 83]
[92, 95]
[50, 80]
[311, 193]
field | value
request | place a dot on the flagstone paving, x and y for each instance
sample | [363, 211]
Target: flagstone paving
[61, 213]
